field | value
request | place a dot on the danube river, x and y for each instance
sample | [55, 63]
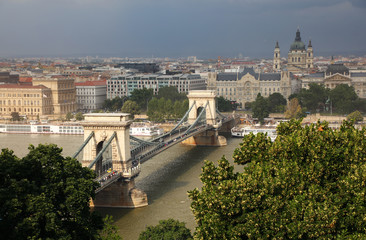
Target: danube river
[165, 178]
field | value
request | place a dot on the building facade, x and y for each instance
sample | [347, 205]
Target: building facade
[337, 74]
[63, 93]
[243, 87]
[300, 58]
[123, 85]
[91, 95]
[29, 101]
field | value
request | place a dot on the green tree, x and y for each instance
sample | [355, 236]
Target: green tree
[307, 184]
[171, 93]
[114, 104]
[314, 98]
[343, 99]
[276, 103]
[15, 116]
[131, 107]
[46, 196]
[79, 116]
[69, 116]
[166, 230]
[260, 108]
[355, 116]
[224, 105]
[142, 96]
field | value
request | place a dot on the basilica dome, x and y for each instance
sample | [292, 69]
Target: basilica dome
[297, 44]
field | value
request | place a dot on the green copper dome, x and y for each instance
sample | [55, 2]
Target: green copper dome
[297, 44]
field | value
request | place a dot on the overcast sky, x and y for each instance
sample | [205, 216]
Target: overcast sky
[178, 28]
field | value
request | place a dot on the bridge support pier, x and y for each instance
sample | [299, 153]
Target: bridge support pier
[207, 138]
[120, 194]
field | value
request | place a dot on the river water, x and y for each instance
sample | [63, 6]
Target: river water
[165, 178]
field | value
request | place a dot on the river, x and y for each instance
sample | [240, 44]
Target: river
[165, 178]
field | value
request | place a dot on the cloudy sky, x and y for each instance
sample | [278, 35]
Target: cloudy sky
[178, 28]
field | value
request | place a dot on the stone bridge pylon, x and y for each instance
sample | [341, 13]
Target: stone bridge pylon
[205, 100]
[108, 150]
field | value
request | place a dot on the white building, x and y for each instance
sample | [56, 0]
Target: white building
[123, 85]
[91, 95]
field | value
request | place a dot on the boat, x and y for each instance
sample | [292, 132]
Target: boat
[42, 128]
[243, 131]
[145, 130]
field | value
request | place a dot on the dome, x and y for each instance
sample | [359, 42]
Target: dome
[297, 44]
[337, 68]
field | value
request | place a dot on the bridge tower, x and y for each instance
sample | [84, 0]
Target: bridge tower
[205, 99]
[112, 129]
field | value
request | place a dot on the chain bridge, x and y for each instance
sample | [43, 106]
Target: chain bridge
[116, 157]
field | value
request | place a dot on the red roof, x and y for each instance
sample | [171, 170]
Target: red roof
[91, 83]
[25, 79]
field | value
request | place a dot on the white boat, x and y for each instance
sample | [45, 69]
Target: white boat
[145, 130]
[42, 128]
[243, 131]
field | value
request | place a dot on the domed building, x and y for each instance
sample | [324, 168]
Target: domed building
[299, 58]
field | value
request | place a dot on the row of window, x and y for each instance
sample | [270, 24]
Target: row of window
[19, 95]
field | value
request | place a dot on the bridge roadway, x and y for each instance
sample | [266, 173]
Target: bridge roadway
[149, 149]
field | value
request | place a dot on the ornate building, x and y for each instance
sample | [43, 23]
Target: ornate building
[300, 58]
[63, 93]
[243, 87]
[338, 74]
[29, 101]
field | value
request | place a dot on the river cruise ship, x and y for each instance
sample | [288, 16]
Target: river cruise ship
[145, 130]
[242, 131]
[42, 128]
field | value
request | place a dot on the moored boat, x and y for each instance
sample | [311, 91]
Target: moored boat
[243, 131]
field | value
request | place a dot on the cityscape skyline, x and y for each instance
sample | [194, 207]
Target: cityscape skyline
[163, 28]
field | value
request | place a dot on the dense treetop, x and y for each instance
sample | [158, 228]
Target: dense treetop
[46, 196]
[307, 184]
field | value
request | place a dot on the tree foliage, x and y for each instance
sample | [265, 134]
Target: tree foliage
[260, 108]
[276, 103]
[166, 230]
[355, 116]
[293, 109]
[341, 99]
[131, 107]
[46, 196]
[69, 116]
[142, 96]
[79, 116]
[114, 104]
[224, 105]
[307, 184]
[171, 93]
[15, 116]
[164, 109]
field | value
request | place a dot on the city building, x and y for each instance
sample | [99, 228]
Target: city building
[243, 87]
[300, 58]
[7, 77]
[141, 67]
[123, 85]
[338, 74]
[91, 95]
[28, 101]
[63, 93]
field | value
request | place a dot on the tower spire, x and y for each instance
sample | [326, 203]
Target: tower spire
[277, 46]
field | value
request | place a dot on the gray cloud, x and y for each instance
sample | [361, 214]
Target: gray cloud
[177, 28]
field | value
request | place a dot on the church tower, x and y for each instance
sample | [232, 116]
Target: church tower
[297, 55]
[277, 58]
[309, 56]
